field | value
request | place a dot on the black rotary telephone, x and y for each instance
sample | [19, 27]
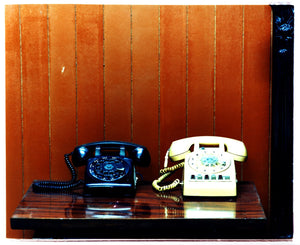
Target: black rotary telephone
[109, 168]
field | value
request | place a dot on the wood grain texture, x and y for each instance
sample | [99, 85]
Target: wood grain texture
[229, 33]
[89, 51]
[42, 211]
[14, 134]
[62, 87]
[35, 92]
[64, 206]
[172, 75]
[229, 74]
[117, 47]
[145, 75]
[201, 70]
[257, 95]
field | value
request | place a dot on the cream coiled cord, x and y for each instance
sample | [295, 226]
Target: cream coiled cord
[165, 172]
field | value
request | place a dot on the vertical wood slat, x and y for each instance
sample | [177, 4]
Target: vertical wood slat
[89, 50]
[145, 83]
[14, 147]
[201, 35]
[117, 47]
[62, 87]
[257, 96]
[172, 75]
[89, 75]
[229, 74]
[229, 20]
[35, 92]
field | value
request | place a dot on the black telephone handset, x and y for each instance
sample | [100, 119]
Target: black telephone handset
[110, 168]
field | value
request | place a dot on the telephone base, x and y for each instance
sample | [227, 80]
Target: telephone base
[209, 198]
[210, 189]
[110, 190]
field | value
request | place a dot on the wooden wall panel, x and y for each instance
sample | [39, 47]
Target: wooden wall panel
[145, 83]
[145, 74]
[14, 134]
[229, 34]
[229, 74]
[117, 72]
[172, 75]
[35, 92]
[62, 87]
[256, 102]
[201, 70]
[89, 73]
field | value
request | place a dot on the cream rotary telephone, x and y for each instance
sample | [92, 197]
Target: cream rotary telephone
[208, 169]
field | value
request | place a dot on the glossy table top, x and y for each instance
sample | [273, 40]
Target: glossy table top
[54, 210]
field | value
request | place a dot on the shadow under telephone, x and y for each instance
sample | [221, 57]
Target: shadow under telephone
[209, 168]
[109, 168]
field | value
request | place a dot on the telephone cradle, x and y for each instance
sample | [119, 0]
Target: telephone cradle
[110, 168]
[208, 166]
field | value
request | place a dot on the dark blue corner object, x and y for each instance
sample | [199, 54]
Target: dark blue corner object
[281, 194]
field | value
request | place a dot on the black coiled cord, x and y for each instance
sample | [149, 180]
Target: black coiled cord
[42, 186]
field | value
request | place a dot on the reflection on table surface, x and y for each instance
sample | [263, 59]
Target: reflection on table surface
[147, 204]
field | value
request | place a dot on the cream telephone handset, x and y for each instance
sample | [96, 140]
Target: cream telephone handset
[209, 168]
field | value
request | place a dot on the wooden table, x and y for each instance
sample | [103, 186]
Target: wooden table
[148, 215]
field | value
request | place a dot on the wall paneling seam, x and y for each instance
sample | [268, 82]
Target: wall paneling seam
[242, 86]
[215, 69]
[131, 77]
[76, 75]
[22, 98]
[243, 69]
[49, 97]
[187, 73]
[159, 92]
[103, 66]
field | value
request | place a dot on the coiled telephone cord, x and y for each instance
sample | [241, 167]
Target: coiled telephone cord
[165, 172]
[40, 186]
[171, 169]
[171, 186]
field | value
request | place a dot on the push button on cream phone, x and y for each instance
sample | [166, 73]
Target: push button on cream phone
[209, 168]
